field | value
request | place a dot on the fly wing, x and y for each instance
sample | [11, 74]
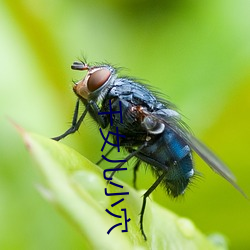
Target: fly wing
[175, 124]
[208, 156]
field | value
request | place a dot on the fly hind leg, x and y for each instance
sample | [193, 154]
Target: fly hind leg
[144, 201]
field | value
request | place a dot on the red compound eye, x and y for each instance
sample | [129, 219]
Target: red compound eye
[97, 79]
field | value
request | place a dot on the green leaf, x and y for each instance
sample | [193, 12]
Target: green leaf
[76, 187]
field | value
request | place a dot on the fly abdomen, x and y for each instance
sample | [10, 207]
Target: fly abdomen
[168, 153]
[178, 149]
[180, 166]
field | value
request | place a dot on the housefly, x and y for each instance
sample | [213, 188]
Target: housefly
[153, 129]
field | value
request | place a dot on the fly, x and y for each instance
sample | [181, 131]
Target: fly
[153, 129]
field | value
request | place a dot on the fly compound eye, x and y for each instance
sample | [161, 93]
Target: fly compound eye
[97, 79]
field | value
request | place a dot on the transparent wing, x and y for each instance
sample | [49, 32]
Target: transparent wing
[175, 124]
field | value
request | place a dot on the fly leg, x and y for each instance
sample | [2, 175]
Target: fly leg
[75, 124]
[110, 150]
[145, 196]
[132, 154]
[136, 167]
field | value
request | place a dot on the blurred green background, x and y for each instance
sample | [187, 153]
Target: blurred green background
[195, 52]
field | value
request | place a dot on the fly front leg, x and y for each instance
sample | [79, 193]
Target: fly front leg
[75, 123]
[102, 120]
[90, 107]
